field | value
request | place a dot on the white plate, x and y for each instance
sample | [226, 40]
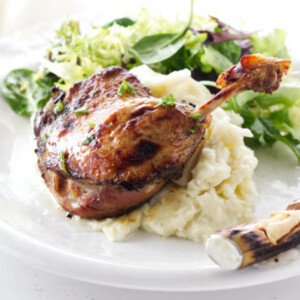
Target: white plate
[35, 230]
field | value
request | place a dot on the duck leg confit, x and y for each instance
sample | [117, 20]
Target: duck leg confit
[107, 145]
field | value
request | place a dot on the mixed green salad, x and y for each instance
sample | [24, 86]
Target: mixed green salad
[204, 45]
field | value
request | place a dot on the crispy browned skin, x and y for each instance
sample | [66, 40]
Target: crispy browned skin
[135, 148]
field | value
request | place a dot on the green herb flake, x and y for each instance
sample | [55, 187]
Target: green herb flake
[58, 108]
[92, 125]
[167, 101]
[196, 117]
[194, 129]
[92, 93]
[44, 137]
[110, 124]
[63, 162]
[81, 111]
[88, 139]
[125, 86]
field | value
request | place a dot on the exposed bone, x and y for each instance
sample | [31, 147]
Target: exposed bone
[246, 244]
[254, 72]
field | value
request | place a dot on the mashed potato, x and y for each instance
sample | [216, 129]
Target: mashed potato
[221, 192]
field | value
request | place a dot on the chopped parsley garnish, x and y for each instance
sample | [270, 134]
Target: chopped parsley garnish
[88, 139]
[196, 117]
[92, 125]
[92, 93]
[167, 101]
[125, 86]
[58, 108]
[193, 129]
[45, 137]
[82, 110]
[63, 162]
[110, 124]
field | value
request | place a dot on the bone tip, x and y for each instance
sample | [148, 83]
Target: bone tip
[224, 252]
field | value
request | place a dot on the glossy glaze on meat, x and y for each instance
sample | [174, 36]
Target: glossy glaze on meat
[123, 148]
[134, 147]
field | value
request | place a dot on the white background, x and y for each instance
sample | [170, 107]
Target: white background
[17, 17]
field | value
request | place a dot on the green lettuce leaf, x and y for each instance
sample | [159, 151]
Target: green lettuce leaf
[215, 59]
[24, 93]
[270, 118]
[271, 45]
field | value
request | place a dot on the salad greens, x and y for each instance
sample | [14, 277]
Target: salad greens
[125, 22]
[159, 47]
[204, 45]
[25, 92]
[269, 117]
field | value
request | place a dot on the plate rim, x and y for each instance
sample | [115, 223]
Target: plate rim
[51, 259]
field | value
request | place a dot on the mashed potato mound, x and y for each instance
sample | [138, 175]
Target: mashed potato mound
[221, 192]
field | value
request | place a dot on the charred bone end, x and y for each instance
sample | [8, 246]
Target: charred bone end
[255, 72]
[224, 252]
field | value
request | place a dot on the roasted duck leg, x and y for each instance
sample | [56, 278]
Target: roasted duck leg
[107, 145]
